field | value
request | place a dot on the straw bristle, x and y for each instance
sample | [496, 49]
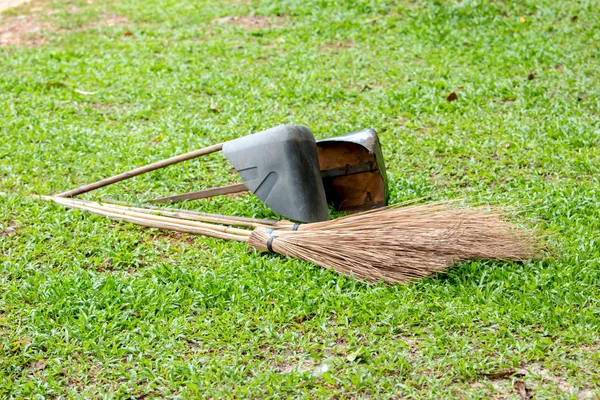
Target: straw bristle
[400, 244]
[395, 244]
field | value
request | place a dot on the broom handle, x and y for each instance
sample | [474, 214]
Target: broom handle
[172, 226]
[212, 220]
[217, 219]
[124, 211]
[199, 216]
[141, 170]
[188, 214]
[220, 228]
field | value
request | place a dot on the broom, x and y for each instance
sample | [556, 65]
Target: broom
[394, 244]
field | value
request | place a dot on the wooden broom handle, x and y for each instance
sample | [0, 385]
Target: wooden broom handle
[121, 210]
[141, 170]
[194, 215]
[151, 223]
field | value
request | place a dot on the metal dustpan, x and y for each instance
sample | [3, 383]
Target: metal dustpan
[279, 165]
[352, 170]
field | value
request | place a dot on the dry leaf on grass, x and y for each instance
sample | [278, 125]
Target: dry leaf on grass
[500, 374]
[524, 393]
[84, 92]
[40, 365]
[452, 96]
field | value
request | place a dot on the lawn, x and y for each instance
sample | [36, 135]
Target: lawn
[92, 308]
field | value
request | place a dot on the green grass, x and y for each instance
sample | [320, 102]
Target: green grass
[93, 308]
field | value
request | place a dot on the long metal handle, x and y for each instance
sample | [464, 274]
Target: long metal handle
[141, 170]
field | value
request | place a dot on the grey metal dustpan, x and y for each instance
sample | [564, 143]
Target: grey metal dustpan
[280, 166]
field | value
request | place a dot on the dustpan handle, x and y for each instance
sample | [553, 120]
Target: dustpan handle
[141, 170]
[203, 194]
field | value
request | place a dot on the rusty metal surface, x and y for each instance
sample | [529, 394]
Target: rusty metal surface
[353, 171]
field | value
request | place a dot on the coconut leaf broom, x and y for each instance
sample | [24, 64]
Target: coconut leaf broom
[395, 244]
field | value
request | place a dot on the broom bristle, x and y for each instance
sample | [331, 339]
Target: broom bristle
[401, 244]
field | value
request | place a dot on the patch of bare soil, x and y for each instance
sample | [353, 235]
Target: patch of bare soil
[334, 48]
[174, 237]
[22, 31]
[28, 29]
[523, 382]
[109, 20]
[253, 22]
[10, 230]
[6, 4]
[288, 363]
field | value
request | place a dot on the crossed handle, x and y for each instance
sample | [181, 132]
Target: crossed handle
[141, 170]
